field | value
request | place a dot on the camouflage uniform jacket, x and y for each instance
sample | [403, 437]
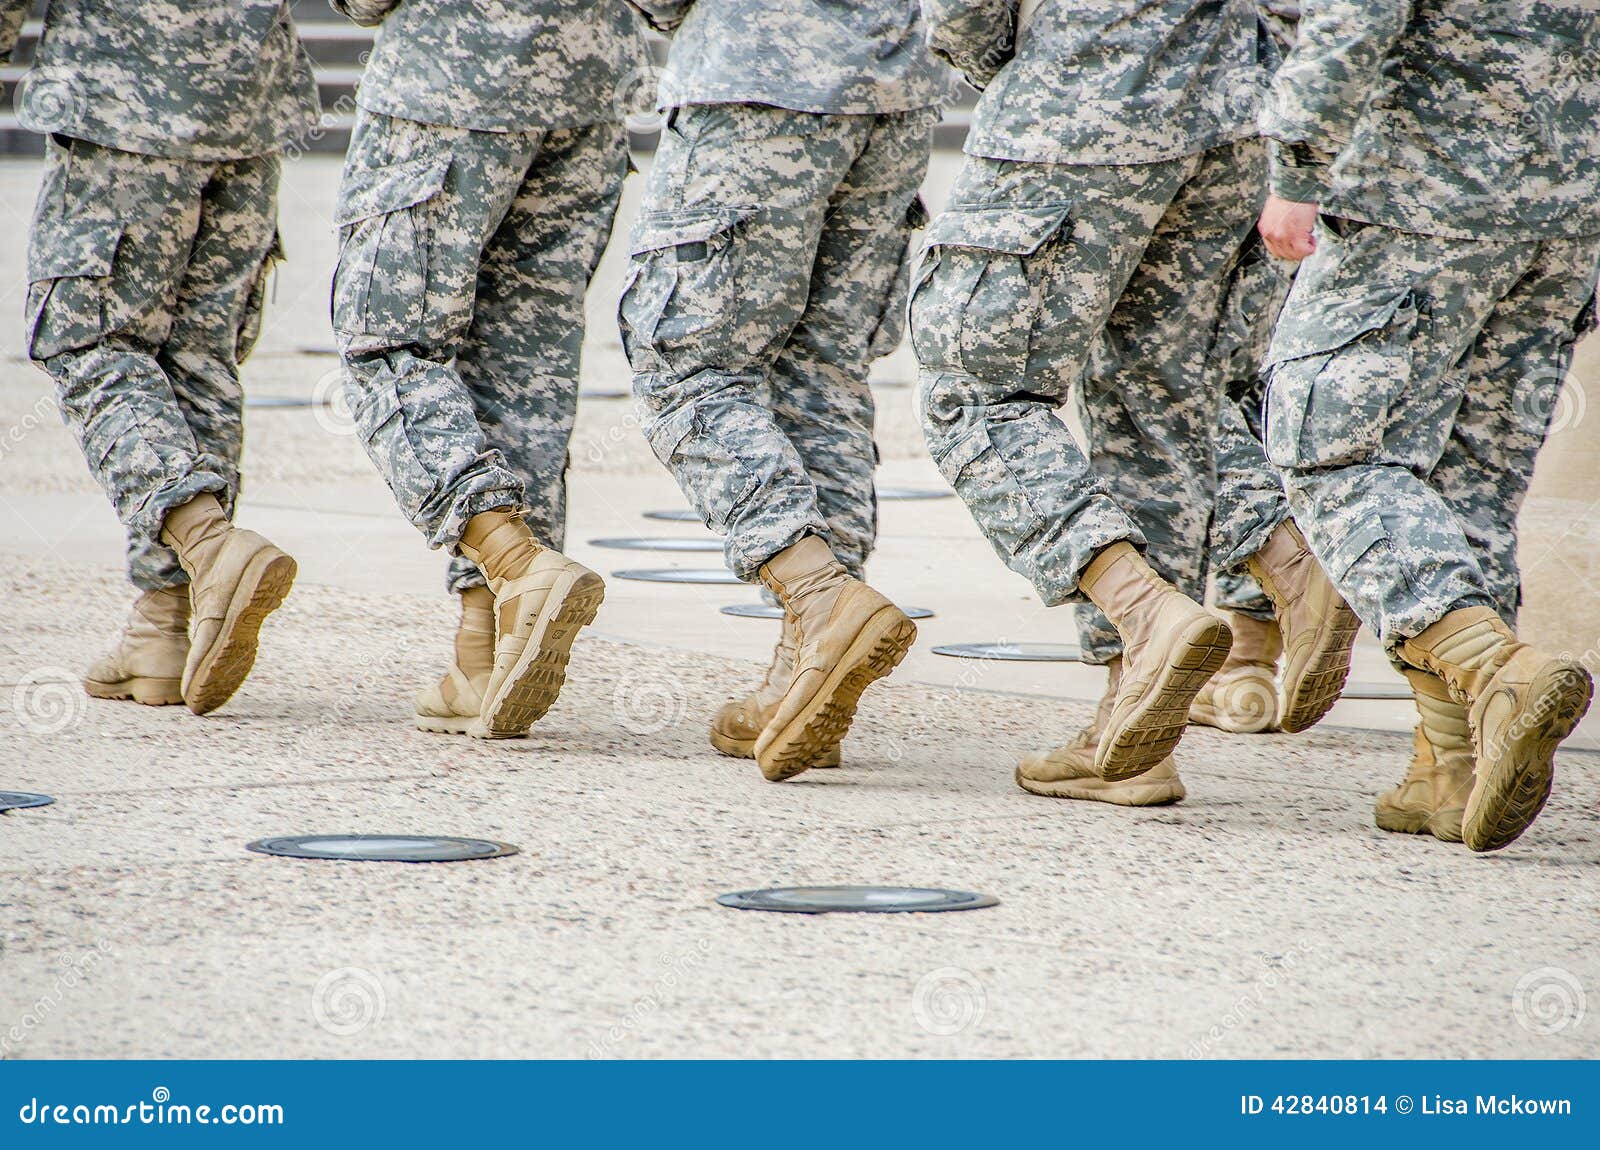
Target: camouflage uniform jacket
[501, 65]
[1458, 118]
[838, 56]
[1096, 82]
[184, 79]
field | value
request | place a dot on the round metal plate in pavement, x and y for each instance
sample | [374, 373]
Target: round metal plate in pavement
[18, 800]
[892, 493]
[284, 401]
[676, 515]
[679, 575]
[767, 611]
[1014, 652]
[604, 393]
[856, 899]
[381, 848]
[707, 545]
[1375, 691]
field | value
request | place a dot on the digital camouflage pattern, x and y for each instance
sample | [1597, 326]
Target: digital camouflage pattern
[841, 56]
[768, 270]
[184, 79]
[1029, 268]
[147, 277]
[502, 65]
[1089, 82]
[1460, 118]
[1412, 381]
[458, 307]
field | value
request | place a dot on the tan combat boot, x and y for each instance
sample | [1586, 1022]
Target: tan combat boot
[147, 663]
[1433, 796]
[1170, 646]
[541, 600]
[737, 726]
[1520, 705]
[1319, 629]
[1068, 772]
[236, 579]
[1242, 697]
[453, 705]
[847, 637]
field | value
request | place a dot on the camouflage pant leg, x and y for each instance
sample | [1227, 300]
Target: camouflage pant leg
[854, 313]
[143, 273]
[519, 361]
[1250, 501]
[722, 260]
[1519, 366]
[418, 206]
[1374, 362]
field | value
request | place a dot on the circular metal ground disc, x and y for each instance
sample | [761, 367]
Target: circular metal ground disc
[307, 350]
[767, 611]
[1375, 691]
[17, 800]
[679, 575]
[856, 899]
[658, 544]
[381, 848]
[604, 393]
[284, 401]
[913, 493]
[676, 515]
[1014, 652]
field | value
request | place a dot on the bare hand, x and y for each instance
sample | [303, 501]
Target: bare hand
[1286, 226]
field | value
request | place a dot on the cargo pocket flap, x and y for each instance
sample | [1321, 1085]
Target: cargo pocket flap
[1363, 537]
[1340, 318]
[657, 230]
[390, 189]
[1017, 229]
[84, 249]
[953, 462]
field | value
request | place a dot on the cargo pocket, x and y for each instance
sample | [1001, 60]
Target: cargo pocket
[69, 272]
[380, 420]
[381, 284]
[256, 303]
[978, 471]
[978, 315]
[891, 326]
[683, 285]
[1333, 372]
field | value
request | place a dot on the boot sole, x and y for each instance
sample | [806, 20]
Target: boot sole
[1152, 732]
[150, 692]
[1440, 824]
[875, 651]
[746, 749]
[1153, 795]
[1514, 788]
[445, 724]
[535, 682]
[1312, 695]
[262, 588]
